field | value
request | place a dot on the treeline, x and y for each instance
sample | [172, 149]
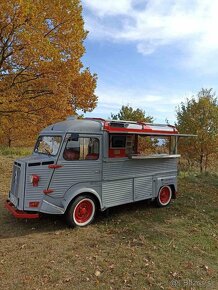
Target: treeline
[197, 115]
[42, 80]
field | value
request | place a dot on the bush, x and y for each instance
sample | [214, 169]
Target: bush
[15, 151]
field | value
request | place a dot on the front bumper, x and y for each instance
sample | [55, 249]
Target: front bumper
[18, 213]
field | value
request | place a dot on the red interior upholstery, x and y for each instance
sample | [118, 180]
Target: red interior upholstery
[92, 156]
[71, 154]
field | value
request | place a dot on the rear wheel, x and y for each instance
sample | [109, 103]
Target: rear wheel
[164, 196]
[81, 212]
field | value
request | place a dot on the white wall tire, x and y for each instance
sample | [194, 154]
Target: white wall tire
[81, 212]
[164, 196]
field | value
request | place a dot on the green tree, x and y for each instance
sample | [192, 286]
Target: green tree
[199, 115]
[129, 114]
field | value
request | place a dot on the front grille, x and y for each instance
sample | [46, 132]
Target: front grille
[15, 180]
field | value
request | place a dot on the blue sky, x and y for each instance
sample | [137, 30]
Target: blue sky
[150, 54]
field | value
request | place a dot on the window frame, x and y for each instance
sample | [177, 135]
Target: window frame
[117, 135]
[159, 137]
[48, 135]
[83, 137]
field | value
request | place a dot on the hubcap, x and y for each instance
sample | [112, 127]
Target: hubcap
[165, 195]
[83, 211]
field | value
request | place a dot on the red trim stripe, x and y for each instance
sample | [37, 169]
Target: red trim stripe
[126, 130]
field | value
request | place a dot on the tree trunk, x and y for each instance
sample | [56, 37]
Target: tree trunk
[9, 142]
[201, 158]
[206, 163]
[201, 163]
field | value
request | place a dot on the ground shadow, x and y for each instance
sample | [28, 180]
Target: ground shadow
[12, 227]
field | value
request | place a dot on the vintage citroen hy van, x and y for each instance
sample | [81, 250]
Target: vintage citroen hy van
[80, 166]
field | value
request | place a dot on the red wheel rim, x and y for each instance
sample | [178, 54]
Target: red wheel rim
[165, 195]
[83, 211]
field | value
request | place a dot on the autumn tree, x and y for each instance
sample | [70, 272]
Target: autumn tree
[199, 115]
[130, 114]
[41, 74]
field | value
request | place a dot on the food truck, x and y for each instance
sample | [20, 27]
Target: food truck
[79, 166]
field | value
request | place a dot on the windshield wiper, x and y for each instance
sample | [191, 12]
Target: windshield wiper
[49, 153]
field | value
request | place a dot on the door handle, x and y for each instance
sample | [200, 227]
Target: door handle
[55, 166]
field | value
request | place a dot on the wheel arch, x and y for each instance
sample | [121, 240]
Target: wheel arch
[86, 191]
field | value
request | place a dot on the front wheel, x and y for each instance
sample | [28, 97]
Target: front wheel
[164, 196]
[81, 212]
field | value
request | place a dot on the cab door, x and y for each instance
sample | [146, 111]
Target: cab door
[80, 162]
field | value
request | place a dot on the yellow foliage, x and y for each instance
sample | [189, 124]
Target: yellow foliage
[41, 76]
[199, 117]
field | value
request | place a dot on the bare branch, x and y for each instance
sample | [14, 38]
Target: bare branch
[54, 28]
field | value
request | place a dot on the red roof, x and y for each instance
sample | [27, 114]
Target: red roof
[120, 126]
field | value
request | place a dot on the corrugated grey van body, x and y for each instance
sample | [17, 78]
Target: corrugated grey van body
[74, 172]
[16, 195]
[48, 183]
[126, 181]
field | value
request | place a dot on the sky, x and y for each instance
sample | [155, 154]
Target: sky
[150, 54]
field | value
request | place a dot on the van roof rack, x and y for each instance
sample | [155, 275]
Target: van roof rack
[121, 126]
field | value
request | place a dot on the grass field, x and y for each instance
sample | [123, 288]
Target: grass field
[136, 246]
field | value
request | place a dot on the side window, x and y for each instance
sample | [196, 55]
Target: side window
[122, 145]
[118, 141]
[149, 145]
[83, 149]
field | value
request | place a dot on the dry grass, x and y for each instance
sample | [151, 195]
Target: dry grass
[136, 247]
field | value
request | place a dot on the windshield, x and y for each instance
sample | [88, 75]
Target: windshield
[48, 145]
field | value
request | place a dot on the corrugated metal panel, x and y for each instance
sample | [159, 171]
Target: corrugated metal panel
[15, 180]
[142, 188]
[117, 192]
[17, 185]
[72, 173]
[78, 126]
[137, 168]
[12, 180]
[36, 193]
